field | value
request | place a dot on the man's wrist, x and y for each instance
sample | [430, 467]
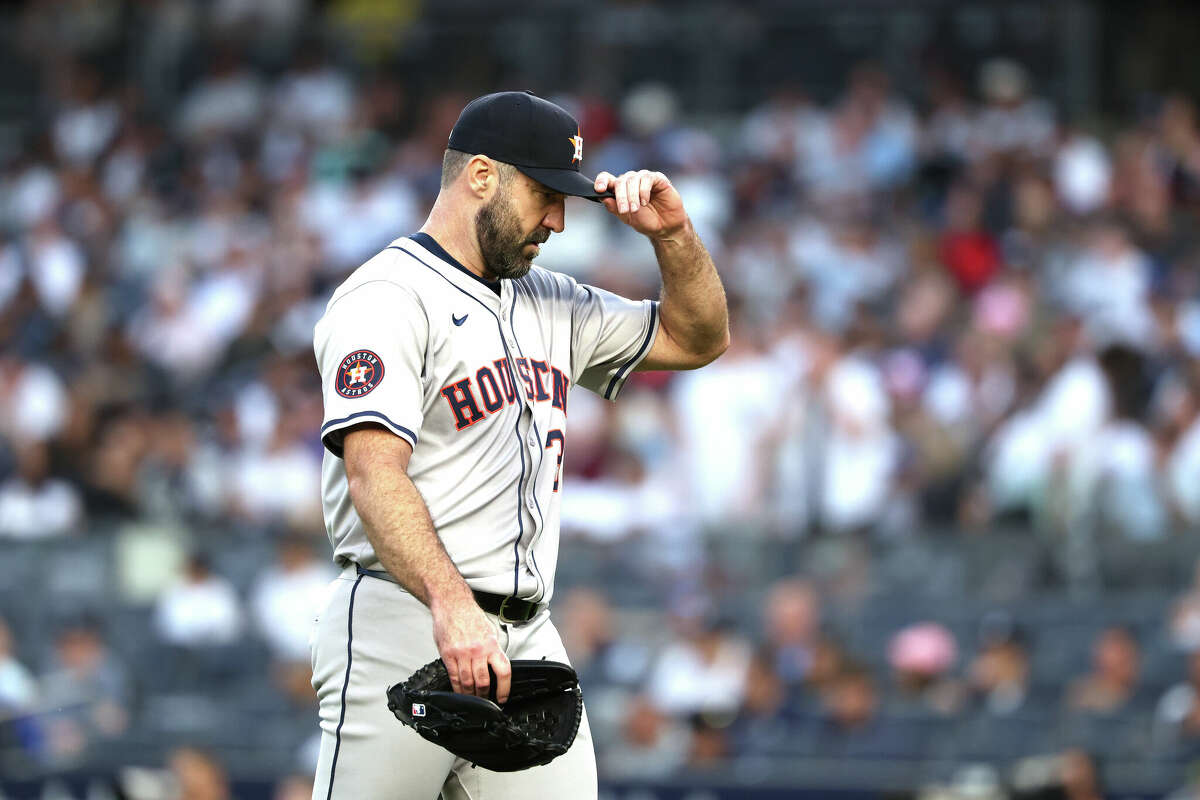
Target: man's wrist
[679, 235]
[452, 597]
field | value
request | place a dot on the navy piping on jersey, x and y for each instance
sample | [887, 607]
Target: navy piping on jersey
[538, 433]
[358, 414]
[345, 685]
[429, 243]
[636, 356]
[516, 428]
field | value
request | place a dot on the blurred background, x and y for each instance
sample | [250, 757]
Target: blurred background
[927, 530]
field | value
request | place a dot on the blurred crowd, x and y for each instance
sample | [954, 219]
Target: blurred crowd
[951, 306]
[717, 691]
[958, 311]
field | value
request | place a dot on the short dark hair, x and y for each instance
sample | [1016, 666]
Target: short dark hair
[454, 161]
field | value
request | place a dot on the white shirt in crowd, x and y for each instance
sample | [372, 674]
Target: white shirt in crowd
[33, 403]
[285, 604]
[1070, 410]
[683, 681]
[724, 411]
[861, 449]
[197, 613]
[51, 509]
[1183, 473]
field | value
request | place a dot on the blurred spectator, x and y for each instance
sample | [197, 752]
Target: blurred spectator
[868, 141]
[829, 660]
[33, 400]
[791, 622]
[1177, 717]
[970, 253]
[1183, 464]
[846, 260]
[1031, 446]
[55, 267]
[1179, 143]
[921, 657]
[179, 475]
[1107, 283]
[589, 635]
[761, 725]
[1081, 172]
[286, 596]
[999, 677]
[852, 726]
[854, 701]
[634, 497]
[198, 775]
[1111, 475]
[703, 670]
[18, 689]
[1011, 120]
[86, 121]
[861, 448]
[1113, 680]
[20, 731]
[652, 744]
[201, 610]
[87, 689]
[1185, 617]
[33, 503]
[277, 481]
[742, 389]
[315, 97]
[227, 100]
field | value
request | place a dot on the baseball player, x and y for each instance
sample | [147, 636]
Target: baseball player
[447, 362]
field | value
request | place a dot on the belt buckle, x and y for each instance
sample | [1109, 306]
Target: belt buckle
[503, 613]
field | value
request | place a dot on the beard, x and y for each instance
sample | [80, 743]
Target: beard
[501, 240]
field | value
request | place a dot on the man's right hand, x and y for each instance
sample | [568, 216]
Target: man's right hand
[467, 643]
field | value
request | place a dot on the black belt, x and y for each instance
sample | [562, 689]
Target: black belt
[509, 609]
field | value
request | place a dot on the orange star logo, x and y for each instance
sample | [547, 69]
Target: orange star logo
[576, 140]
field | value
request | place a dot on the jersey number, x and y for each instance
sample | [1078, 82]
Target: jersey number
[553, 436]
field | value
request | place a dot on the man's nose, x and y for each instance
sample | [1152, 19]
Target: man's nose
[556, 217]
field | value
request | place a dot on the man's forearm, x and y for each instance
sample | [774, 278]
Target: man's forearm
[692, 305]
[400, 529]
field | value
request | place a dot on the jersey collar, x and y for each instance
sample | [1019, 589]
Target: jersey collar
[430, 244]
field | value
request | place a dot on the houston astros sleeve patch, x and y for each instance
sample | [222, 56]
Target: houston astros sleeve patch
[359, 373]
[374, 324]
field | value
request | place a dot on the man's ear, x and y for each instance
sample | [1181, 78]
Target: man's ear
[483, 176]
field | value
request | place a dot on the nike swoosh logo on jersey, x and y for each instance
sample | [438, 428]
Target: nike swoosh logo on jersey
[458, 320]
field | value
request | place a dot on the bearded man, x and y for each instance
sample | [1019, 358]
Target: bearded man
[446, 363]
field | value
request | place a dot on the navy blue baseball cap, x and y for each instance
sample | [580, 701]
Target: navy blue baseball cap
[536, 136]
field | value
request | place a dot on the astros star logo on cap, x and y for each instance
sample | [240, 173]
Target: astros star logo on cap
[576, 140]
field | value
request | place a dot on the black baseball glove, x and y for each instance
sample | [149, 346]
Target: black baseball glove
[536, 725]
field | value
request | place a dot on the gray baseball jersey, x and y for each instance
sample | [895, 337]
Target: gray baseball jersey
[475, 376]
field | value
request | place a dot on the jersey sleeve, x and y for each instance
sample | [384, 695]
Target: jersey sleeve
[370, 348]
[610, 335]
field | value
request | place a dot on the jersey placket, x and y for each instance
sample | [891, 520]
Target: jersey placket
[528, 433]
